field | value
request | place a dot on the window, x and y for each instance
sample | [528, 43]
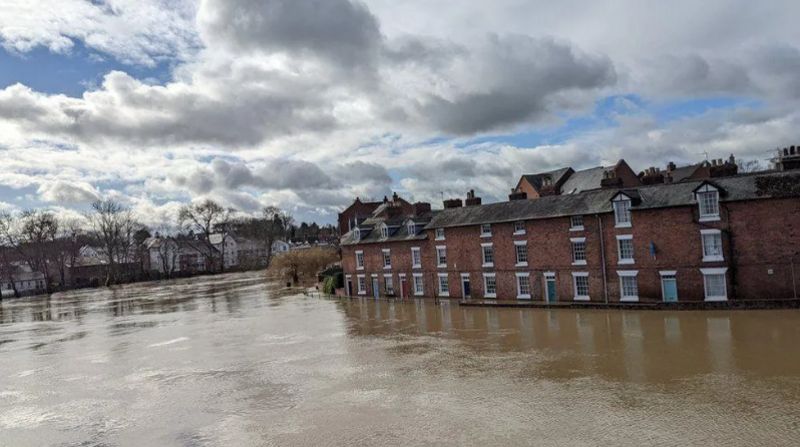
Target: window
[439, 234]
[712, 245]
[580, 282]
[489, 285]
[416, 257]
[523, 286]
[708, 201]
[625, 249]
[715, 284]
[486, 230]
[576, 223]
[362, 285]
[388, 285]
[384, 232]
[578, 251]
[357, 235]
[412, 228]
[488, 255]
[628, 285]
[387, 258]
[521, 250]
[622, 212]
[418, 286]
[441, 256]
[519, 227]
[360, 260]
[444, 286]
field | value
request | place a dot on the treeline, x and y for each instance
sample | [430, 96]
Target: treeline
[50, 245]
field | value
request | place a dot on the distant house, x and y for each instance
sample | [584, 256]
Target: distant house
[544, 183]
[568, 181]
[279, 247]
[225, 244]
[163, 255]
[358, 211]
[24, 280]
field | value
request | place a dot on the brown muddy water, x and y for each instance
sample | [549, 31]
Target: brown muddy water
[232, 361]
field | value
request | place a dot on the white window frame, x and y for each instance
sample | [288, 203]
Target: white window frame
[578, 240]
[384, 231]
[517, 230]
[520, 295]
[447, 283]
[439, 234]
[623, 201]
[573, 227]
[575, 276]
[485, 233]
[443, 249]
[707, 257]
[668, 273]
[516, 253]
[361, 280]
[620, 259]
[723, 271]
[357, 234]
[417, 281]
[360, 257]
[486, 293]
[386, 254]
[484, 246]
[699, 196]
[416, 255]
[411, 227]
[388, 280]
[628, 274]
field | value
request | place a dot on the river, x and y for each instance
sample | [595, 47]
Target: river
[234, 361]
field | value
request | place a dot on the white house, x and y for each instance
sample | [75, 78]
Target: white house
[229, 250]
[27, 282]
[279, 247]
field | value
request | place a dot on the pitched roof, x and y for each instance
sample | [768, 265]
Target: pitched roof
[684, 172]
[536, 180]
[585, 180]
[371, 234]
[737, 188]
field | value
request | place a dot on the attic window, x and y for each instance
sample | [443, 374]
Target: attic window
[412, 228]
[357, 235]
[622, 211]
[384, 232]
[708, 201]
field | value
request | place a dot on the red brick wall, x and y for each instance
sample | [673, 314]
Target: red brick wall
[758, 237]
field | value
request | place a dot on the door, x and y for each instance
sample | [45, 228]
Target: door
[349, 290]
[550, 283]
[669, 286]
[403, 287]
[465, 288]
[375, 288]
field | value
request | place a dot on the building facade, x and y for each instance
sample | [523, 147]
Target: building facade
[718, 239]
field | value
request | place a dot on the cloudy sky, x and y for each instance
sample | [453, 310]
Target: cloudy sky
[306, 104]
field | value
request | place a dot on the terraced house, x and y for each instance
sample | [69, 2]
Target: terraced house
[725, 237]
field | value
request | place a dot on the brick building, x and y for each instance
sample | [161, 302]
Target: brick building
[358, 211]
[714, 239]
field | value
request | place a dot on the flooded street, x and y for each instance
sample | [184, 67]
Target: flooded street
[229, 361]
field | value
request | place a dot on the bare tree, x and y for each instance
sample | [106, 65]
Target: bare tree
[37, 236]
[67, 247]
[167, 251]
[204, 219]
[747, 166]
[303, 265]
[114, 227]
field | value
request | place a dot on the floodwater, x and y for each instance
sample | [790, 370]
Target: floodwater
[233, 361]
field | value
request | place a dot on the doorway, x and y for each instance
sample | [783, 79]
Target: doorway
[403, 287]
[466, 291]
[669, 287]
[550, 287]
[376, 290]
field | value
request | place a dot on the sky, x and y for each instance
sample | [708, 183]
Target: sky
[306, 104]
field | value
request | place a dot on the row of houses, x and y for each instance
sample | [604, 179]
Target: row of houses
[698, 233]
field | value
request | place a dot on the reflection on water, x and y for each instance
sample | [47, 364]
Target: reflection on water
[232, 360]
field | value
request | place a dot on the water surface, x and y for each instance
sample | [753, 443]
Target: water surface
[232, 360]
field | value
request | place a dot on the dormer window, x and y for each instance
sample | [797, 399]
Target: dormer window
[439, 234]
[357, 235]
[708, 202]
[412, 228]
[486, 230]
[519, 227]
[622, 211]
[384, 232]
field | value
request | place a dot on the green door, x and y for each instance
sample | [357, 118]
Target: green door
[551, 290]
[670, 286]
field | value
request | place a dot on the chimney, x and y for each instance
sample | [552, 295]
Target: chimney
[385, 199]
[394, 197]
[421, 208]
[671, 167]
[452, 203]
[471, 199]
[517, 196]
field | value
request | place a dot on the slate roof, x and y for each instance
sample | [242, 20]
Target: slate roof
[536, 179]
[398, 230]
[684, 172]
[736, 188]
[585, 180]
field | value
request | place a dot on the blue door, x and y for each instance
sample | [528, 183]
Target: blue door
[375, 288]
[551, 289]
[670, 286]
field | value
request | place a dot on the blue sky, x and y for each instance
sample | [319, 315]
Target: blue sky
[306, 107]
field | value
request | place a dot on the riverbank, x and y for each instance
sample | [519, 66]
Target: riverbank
[685, 305]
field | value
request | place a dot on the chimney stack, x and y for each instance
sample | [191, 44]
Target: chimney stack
[421, 208]
[452, 203]
[471, 199]
[517, 195]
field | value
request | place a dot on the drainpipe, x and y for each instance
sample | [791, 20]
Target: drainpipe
[603, 256]
[794, 278]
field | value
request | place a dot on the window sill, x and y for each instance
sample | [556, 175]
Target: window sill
[713, 259]
[444, 295]
[626, 262]
[623, 225]
[362, 293]
[518, 233]
[442, 266]
[521, 264]
[523, 297]
[488, 265]
[576, 229]
[709, 219]
[579, 263]
[359, 268]
[417, 294]
[486, 235]
[716, 298]
[629, 299]
[581, 298]
[387, 267]
[416, 266]
[490, 296]
[439, 239]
